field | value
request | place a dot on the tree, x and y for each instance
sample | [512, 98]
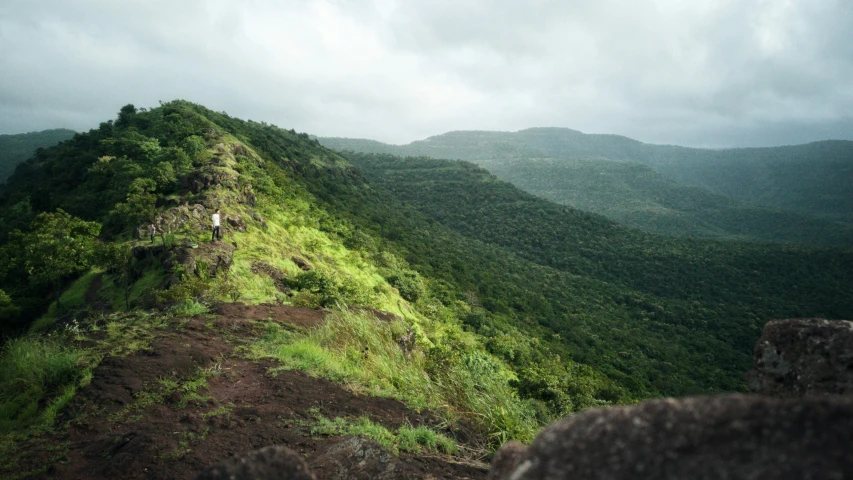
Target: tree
[141, 203]
[7, 308]
[58, 245]
[125, 114]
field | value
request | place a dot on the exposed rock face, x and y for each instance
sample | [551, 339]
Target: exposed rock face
[356, 458]
[236, 222]
[216, 257]
[301, 263]
[723, 436]
[268, 463]
[799, 357]
[278, 277]
[209, 177]
[196, 216]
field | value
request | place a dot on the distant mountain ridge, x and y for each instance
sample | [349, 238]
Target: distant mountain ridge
[800, 194]
[16, 148]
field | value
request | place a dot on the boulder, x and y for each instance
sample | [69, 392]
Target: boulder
[356, 458]
[807, 356]
[235, 222]
[278, 276]
[722, 436]
[506, 459]
[301, 263]
[268, 463]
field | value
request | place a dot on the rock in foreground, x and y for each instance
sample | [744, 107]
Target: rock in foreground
[809, 356]
[724, 436]
[268, 463]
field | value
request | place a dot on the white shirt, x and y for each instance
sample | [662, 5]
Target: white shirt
[215, 218]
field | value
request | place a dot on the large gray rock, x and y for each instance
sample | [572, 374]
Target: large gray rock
[807, 356]
[355, 458]
[715, 437]
[268, 463]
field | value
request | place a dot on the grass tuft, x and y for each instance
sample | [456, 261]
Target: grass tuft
[405, 439]
[35, 371]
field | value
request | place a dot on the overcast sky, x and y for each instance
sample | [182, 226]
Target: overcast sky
[688, 72]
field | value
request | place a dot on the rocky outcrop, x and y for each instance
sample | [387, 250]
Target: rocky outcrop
[215, 257]
[301, 263]
[276, 275]
[193, 216]
[352, 458]
[235, 222]
[268, 463]
[804, 433]
[209, 177]
[356, 458]
[799, 357]
[723, 436]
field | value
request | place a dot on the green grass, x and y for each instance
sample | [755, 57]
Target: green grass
[38, 376]
[416, 439]
[451, 378]
[189, 308]
[406, 439]
[73, 297]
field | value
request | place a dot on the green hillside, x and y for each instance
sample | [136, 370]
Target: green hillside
[620, 287]
[511, 310]
[813, 178]
[637, 196]
[14, 149]
[736, 194]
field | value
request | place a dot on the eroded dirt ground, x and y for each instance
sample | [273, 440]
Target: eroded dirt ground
[120, 429]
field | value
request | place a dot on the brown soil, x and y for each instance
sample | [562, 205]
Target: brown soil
[94, 287]
[246, 407]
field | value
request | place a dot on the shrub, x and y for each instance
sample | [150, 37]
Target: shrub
[35, 372]
[409, 283]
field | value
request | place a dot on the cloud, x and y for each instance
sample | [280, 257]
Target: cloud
[705, 72]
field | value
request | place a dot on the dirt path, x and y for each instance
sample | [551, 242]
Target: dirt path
[117, 433]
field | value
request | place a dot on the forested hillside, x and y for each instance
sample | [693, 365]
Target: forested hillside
[789, 194]
[813, 178]
[501, 310]
[686, 291]
[14, 149]
[637, 196]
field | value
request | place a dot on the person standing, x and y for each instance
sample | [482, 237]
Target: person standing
[152, 230]
[215, 219]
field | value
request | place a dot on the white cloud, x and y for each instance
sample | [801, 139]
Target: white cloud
[705, 72]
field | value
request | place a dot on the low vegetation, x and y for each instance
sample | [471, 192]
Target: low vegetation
[406, 439]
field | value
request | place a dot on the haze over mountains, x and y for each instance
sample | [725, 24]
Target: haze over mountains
[801, 194]
[16, 148]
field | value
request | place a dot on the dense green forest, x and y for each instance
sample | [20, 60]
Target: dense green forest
[14, 149]
[812, 178]
[686, 291]
[524, 309]
[789, 194]
[637, 196]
